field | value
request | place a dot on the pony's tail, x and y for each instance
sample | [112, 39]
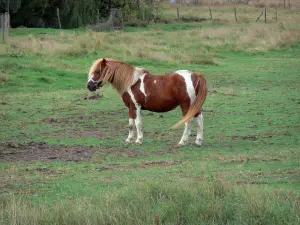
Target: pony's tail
[197, 104]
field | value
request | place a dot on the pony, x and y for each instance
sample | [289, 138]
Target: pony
[140, 90]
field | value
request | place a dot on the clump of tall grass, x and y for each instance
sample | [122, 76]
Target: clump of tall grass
[3, 77]
[158, 203]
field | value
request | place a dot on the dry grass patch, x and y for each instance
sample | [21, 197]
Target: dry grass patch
[257, 3]
[60, 45]
[254, 38]
[196, 46]
[245, 13]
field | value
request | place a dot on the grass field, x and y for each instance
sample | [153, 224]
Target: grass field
[63, 159]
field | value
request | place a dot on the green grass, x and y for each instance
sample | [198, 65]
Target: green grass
[246, 172]
[44, 31]
[156, 203]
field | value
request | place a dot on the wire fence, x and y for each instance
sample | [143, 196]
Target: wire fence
[286, 4]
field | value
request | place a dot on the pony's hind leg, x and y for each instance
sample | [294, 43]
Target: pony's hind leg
[199, 138]
[131, 130]
[187, 126]
[186, 134]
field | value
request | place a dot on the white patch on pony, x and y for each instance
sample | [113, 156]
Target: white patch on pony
[131, 132]
[154, 82]
[138, 124]
[138, 72]
[132, 97]
[138, 119]
[187, 75]
[90, 76]
[142, 86]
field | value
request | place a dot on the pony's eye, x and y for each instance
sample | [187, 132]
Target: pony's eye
[96, 76]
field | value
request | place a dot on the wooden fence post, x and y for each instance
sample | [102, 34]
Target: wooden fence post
[265, 14]
[6, 24]
[58, 18]
[2, 26]
[98, 16]
[276, 16]
[235, 14]
[177, 13]
[122, 22]
[289, 4]
[8, 19]
[284, 4]
[143, 13]
[210, 13]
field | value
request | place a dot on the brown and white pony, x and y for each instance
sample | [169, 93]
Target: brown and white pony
[141, 90]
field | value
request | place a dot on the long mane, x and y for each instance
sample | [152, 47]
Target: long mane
[120, 74]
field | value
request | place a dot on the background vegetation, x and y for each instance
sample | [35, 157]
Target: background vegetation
[81, 13]
[73, 13]
[63, 159]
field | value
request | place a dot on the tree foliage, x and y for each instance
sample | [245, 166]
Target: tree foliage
[72, 13]
[14, 5]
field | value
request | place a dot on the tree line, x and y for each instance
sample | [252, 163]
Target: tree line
[72, 13]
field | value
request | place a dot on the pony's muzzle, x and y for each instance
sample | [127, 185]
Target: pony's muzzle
[91, 86]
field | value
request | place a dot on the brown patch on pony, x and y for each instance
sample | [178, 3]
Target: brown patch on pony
[120, 74]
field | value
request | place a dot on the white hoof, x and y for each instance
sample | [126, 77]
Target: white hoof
[180, 144]
[198, 142]
[128, 140]
[138, 142]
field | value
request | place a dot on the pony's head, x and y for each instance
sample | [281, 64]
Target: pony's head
[95, 77]
[120, 74]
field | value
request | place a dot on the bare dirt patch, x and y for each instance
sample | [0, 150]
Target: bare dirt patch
[252, 182]
[92, 97]
[46, 171]
[246, 158]
[251, 137]
[10, 151]
[143, 165]
[162, 163]
[42, 151]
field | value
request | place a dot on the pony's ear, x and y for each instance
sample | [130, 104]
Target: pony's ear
[103, 63]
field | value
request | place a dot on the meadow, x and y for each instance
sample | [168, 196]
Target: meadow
[63, 159]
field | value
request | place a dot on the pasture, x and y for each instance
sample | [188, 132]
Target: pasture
[63, 159]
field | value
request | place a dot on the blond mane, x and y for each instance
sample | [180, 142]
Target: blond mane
[120, 74]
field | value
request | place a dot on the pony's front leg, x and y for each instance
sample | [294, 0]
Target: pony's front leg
[131, 132]
[138, 124]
